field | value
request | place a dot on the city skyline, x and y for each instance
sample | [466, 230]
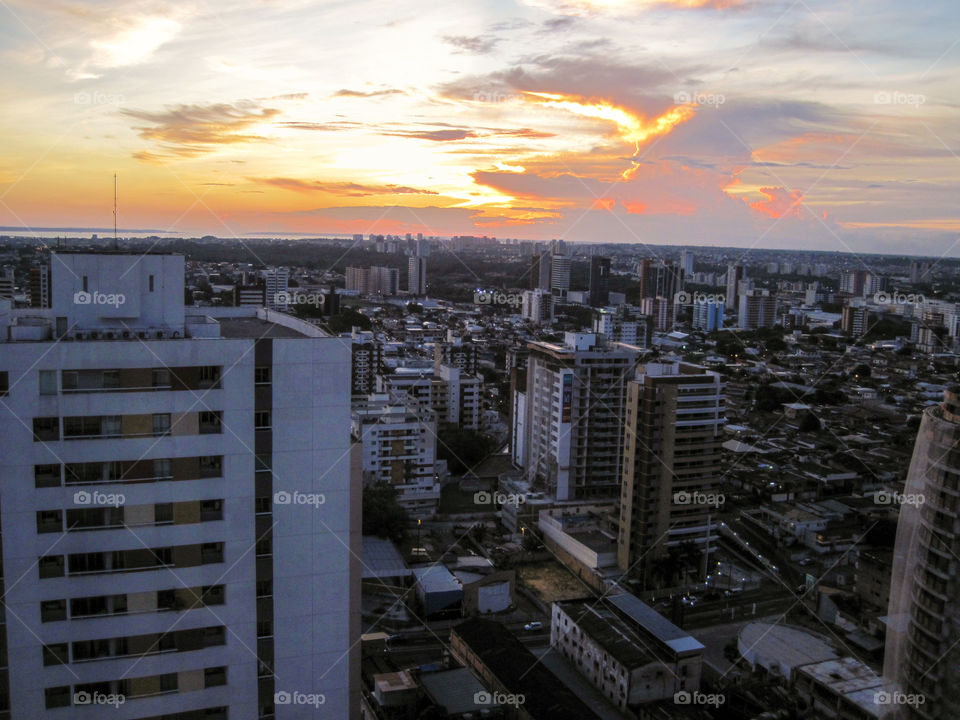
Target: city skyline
[695, 123]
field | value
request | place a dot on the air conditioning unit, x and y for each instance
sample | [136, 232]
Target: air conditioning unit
[110, 335]
[126, 334]
[94, 335]
[142, 334]
[78, 335]
[161, 334]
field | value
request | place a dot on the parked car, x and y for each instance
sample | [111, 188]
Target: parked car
[535, 625]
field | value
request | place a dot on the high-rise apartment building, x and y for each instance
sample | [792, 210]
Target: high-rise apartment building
[177, 511]
[384, 280]
[277, 281]
[7, 288]
[358, 279]
[599, 281]
[574, 415]
[757, 309]
[457, 352]
[367, 358]
[624, 326]
[40, 286]
[540, 271]
[417, 275]
[736, 275]
[559, 275]
[707, 314]
[399, 449]
[854, 320]
[537, 306]
[671, 463]
[686, 262]
[922, 655]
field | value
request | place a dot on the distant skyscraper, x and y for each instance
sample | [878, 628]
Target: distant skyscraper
[277, 282]
[922, 654]
[854, 319]
[40, 286]
[674, 416]
[686, 262]
[559, 275]
[537, 306]
[6, 283]
[417, 276]
[758, 309]
[736, 274]
[707, 315]
[599, 281]
[358, 279]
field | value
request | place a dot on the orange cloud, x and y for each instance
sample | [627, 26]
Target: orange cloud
[631, 126]
[350, 189]
[779, 202]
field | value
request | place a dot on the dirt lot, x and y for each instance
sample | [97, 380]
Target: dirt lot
[550, 581]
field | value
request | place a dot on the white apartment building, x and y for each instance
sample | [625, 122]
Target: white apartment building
[537, 306]
[177, 511]
[453, 395]
[400, 449]
[277, 285]
[574, 415]
[417, 275]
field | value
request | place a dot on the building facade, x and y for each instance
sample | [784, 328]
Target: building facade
[178, 485]
[671, 463]
[574, 415]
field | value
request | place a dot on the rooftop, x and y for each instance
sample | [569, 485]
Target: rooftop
[521, 672]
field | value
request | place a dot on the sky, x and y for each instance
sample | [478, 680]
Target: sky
[795, 125]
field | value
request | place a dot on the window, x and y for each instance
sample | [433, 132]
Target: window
[46, 428]
[211, 553]
[263, 505]
[213, 594]
[161, 377]
[49, 521]
[85, 288]
[261, 420]
[210, 423]
[151, 283]
[57, 697]
[53, 610]
[214, 676]
[161, 424]
[4, 383]
[88, 606]
[57, 654]
[209, 376]
[112, 425]
[213, 636]
[211, 466]
[261, 375]
[46, 476]
[50, 566]
[87, 563]
[48, 382]
[163, 513]
[211, 510]
[162, 468]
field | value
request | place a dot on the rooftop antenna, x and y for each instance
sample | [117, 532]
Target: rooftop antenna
[116, 245]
